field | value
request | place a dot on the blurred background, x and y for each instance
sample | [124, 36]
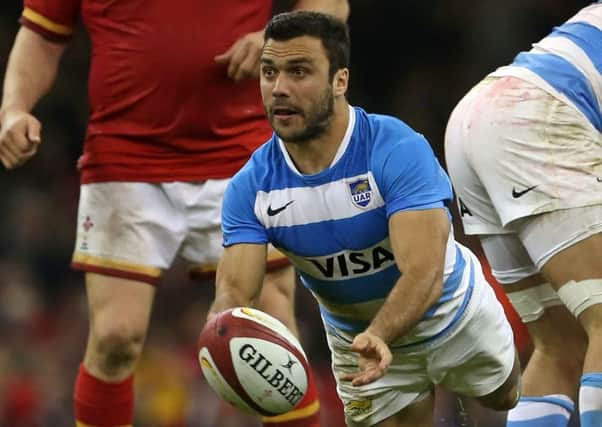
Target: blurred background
[413, 59]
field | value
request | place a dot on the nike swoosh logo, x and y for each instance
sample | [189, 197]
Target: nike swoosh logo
[517, 194]
[272, 212]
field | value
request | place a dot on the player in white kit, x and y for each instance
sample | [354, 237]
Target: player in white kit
[358, 202]
[524, 152]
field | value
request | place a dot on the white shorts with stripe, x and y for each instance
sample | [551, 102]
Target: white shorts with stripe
[474, 358]
[135, 230]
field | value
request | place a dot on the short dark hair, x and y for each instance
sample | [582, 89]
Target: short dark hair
[333, 33]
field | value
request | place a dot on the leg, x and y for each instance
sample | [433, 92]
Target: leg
[552, 330]
[419, 414]
[580, 263]
[119, 316]
[551, 334]
[506, 396]
[116, 238]
[567, 246]
[119, 311]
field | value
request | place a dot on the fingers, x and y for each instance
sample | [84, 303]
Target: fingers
[238, 57]
[19, 141]
[366, 375]
[223, 58]
[34, 129]
[375, 359]
[362, 343]
[242, 57]
[249, 68]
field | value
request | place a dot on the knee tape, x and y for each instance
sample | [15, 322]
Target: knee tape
[531, 303]
[578, 296]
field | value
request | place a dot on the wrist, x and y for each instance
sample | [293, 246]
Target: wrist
[10, 108]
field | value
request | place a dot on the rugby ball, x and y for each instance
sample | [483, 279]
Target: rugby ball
[253, 361]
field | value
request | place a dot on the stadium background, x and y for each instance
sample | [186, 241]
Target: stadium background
[413, 59]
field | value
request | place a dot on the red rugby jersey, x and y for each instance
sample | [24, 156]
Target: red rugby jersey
[161, 109]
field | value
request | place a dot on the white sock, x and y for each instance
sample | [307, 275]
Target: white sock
[553, 410]
[590, 400]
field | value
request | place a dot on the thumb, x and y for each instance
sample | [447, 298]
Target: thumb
[34, 129]
[360, 343]
[223, 58]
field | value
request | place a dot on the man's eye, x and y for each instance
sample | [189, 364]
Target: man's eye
[299, 71]
[268, 71]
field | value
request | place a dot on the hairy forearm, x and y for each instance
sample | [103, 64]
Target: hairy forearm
[338, 8]
[406, 304]
[229, 297]
[31, 71]
[231, 292]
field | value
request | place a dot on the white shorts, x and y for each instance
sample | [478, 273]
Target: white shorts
[514, 151]
[473, 359]
[135, 230]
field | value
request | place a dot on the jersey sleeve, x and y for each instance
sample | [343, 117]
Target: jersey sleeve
[239, 222]
[410, 177]
[54, 20]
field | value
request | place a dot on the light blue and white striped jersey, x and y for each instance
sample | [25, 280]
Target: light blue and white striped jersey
[334, 225]
[567, 63]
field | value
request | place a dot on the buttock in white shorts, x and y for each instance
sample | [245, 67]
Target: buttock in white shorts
[513, 151]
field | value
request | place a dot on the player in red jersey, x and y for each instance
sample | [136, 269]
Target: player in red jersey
[174, 114]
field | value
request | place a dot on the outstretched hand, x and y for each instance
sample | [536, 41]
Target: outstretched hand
[242, 57]
[375, 358]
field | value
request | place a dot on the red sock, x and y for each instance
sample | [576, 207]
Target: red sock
[102, 404]
[306, 414]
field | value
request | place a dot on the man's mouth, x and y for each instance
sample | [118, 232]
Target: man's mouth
[284, 112]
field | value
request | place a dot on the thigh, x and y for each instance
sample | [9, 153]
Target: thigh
[118, 306]
[203, 243]
[404, 384]
[128, 230]
[576, 251]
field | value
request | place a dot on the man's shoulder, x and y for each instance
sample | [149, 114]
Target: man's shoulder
[389, 126]
[385, 131]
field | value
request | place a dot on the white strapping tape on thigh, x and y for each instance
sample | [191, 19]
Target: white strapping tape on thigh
[578, 296]
[531, 303]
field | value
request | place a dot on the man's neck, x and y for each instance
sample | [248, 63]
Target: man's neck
[314, 156]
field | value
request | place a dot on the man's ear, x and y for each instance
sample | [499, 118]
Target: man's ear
[340, 82]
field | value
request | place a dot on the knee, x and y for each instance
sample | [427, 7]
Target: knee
[114, 347]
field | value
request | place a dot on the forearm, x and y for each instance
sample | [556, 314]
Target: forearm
[31, 71]
[239, 277]
[406, 304]
[338, 8]
[229, 296]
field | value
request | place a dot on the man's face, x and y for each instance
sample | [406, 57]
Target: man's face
[296, 88]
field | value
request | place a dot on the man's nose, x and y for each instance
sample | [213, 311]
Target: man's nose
[281, 86]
